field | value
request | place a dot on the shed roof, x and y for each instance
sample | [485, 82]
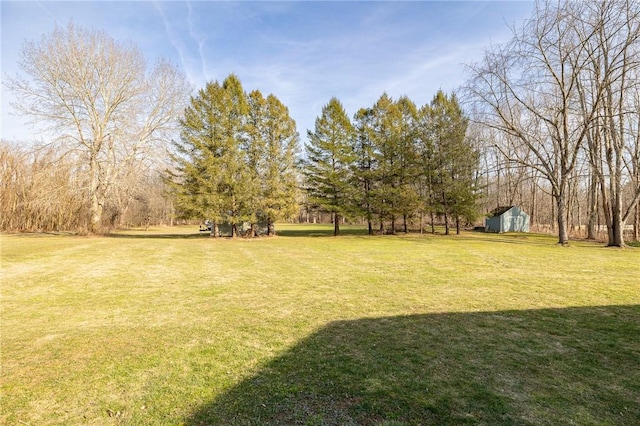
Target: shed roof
[500, 211]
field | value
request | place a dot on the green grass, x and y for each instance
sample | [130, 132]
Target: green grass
[171, 327]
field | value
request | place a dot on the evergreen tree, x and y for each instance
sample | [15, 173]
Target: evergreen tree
[235, 161]
[200, 157]
[387, 195]
[386, 167]
[365, 165]
[329, 162]
[254, 149]
[454, 161]
[236, 185]
[279, 177]
[427, 176]
[407, 171]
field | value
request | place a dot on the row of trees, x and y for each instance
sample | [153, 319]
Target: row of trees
[394, 162]
[554, 112]
[235, 161]
[563, 94]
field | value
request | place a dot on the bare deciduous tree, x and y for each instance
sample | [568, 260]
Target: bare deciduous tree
[562, 84]
[96, 99]
[610, 76]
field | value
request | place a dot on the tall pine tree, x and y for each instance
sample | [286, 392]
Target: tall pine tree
[279, 180]
[329, 162]
[407, 171]
[238, 192]
[387, 197]
[199, 158]
[364, 168]
[454, 161]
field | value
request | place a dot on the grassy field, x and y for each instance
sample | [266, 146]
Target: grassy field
[170, 327]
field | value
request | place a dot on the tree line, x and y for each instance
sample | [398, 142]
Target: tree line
[561, 101]
[395, 163]
[550, 120]
[234, 156]
[237, 162]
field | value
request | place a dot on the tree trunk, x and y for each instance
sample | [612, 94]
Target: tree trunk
[617, 225]
[433, 226]
[613, 204]
[446, 223]
[618, 233]
[593, 208]
[607, 211]
[404, 218]
[636, 224]
[336, 224]
[214, 230]
[569, 208]
[457, 225]
[95, 214]
[533, 217]
[563, 236]
[95, 206]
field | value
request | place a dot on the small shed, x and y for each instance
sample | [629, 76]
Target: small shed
[507, 219]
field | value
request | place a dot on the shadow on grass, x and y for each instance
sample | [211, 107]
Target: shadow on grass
[550, 366]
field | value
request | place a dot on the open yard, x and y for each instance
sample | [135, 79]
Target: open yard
[169, 327]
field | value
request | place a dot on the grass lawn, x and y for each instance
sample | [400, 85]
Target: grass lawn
[169, 327]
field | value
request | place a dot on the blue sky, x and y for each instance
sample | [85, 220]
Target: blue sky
[302, 52]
